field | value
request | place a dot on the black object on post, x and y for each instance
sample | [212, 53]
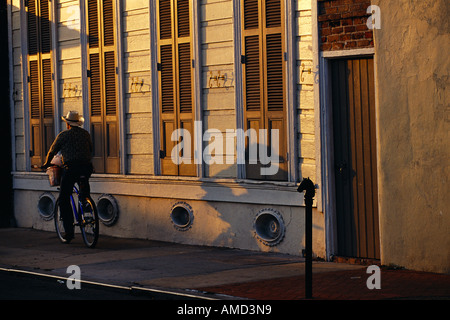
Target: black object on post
[308, 186]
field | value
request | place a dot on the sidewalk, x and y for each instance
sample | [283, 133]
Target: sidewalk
[205, 271]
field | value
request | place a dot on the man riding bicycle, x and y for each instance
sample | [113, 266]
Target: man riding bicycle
[75, 146]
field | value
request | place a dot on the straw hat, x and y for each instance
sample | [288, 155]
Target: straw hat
[73, 118]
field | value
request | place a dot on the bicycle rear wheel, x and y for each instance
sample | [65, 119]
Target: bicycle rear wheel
[59, 226]
[89, 224]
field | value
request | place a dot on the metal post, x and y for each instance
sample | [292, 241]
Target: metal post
[308, 186]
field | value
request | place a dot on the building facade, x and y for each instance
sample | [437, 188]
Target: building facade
[208, 81]
[205, 115]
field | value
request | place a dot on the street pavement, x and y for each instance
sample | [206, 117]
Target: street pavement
[198, 272]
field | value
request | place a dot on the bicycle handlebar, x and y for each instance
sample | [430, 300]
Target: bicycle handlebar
[35, 166]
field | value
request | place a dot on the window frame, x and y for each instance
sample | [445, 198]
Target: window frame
[44, 62]
[288, 27]
[117, 162]
[196, 167]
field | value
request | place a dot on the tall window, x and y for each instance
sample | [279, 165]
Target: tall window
[175, 82]
[40, 84]
[264, 83]
[103, 85]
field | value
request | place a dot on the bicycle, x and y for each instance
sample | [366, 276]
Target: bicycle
[85, 216]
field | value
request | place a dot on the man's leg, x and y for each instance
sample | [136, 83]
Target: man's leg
[84, 172]
[66, 188]
[85, 189]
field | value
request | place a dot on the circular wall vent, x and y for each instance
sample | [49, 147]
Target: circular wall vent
[108, 210]
[182, 216]
[46, 206]
[269, 227]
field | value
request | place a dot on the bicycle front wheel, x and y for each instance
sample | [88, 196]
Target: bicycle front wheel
[89, 224]
[59, 226]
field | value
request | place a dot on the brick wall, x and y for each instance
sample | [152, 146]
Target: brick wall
[343, 26]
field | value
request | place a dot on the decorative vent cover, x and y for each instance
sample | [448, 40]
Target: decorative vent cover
[182, 216]
[46, 206]
[108, 209]
[269, 227]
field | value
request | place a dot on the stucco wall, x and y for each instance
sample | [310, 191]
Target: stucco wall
[214, 223]
[412, 74]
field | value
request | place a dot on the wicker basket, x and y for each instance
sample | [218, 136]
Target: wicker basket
[54, 175]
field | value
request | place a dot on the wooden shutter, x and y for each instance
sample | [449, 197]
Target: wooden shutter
[175, 81]
[252, 99]
[111, 127]
[252, 74]
[93, 24]
[35, 108]
[32, 27]
[275, 99]
[103, 86]
[40, 82]
[45, 34]
[47, 105]
[35, 114]
[95, 98]
[264, 80]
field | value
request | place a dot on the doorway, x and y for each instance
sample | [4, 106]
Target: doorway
[355, 162]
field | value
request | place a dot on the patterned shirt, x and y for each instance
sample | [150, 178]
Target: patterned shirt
[75, 145]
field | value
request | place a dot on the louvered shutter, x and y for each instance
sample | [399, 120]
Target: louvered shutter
[93, 24]
[103, 86]
[95, 86]
[275, 99]
[185, 114]
[44, 31]
[167, 114]
[110, 118]
[95, 98]
[175, 78]
[35, 114]
[32, 27]
[264, 81]
[35, 107]
[47, 104]
[167, 87]
[108, 23]
[252, 100]
[40, 80]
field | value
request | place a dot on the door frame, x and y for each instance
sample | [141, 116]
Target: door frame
[327, 145]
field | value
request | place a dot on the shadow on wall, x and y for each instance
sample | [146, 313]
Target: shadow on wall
[253, 226]
[238, 222]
